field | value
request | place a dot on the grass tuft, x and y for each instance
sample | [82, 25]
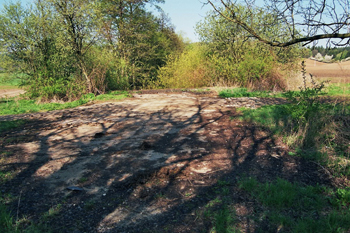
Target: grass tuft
[243, 92]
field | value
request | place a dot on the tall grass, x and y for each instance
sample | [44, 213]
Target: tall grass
[316, 130]
[299, 208]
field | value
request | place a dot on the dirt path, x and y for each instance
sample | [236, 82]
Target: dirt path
[146, 164]
[10, 92]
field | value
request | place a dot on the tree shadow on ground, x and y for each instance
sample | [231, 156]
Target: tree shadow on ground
[154, 171]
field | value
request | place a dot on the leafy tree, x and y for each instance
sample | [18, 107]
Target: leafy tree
[236, 56]
[30, 44]
[141, 40]
[306, 20]
[68, 47]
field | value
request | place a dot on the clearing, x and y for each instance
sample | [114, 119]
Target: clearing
[152, 163]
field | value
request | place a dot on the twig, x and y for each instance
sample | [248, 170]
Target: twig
[19, 201]
[323, 168]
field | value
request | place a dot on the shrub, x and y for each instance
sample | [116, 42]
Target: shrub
[187, 70]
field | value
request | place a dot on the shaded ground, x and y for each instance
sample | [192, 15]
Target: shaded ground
[147, 164]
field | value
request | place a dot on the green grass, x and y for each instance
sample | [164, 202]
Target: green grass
[274, 117]
[293, 207]
[10, 80]
[339, 89]
[9, 225]
[9, 106]
[331, 90]
[8, 125]
[243, 92]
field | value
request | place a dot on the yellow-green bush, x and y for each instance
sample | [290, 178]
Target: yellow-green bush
[186, 70]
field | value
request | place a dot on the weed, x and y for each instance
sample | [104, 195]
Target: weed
[6, 176]
[224, 221]
[160, 195]
[8, 125]
[243, 92]
[89, 205]
[6, 221]
[82, 180]
[52, 212]
[297, 208]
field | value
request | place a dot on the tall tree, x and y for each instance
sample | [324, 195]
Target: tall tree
[139, 38]
[78, 18]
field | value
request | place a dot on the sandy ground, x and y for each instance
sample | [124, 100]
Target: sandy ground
[145, 164]
[10, 92]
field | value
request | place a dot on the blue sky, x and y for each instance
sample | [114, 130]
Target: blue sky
[184, 14]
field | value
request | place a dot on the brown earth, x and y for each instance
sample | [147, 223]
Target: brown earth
[146, 164]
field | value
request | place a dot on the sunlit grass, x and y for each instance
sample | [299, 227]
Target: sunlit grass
[9, 80]
[9, 106]
[339, 89]
[244, 92]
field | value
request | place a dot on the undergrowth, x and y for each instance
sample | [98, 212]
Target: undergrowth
[293, 207]
[315, 129]
[244, 92]
[7, 125]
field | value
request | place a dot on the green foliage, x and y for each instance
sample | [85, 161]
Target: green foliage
[8, 125]
[10, 80]
[338, 53]
[243, 92]
[234, 58]
[12, 106]
[298, 208]
[69, 48]
[282, 194]
[6, 221]
[338, 89]
[224, 221]
[343, 197]
[186, 70]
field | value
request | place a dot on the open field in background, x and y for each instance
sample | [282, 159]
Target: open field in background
[335, 72]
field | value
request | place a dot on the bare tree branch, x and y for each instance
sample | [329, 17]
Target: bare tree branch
[306, 21]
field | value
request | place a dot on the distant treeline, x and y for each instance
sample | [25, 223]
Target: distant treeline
[338, 53]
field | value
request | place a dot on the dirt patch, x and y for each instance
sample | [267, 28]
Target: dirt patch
[146, 164]
[10, 92]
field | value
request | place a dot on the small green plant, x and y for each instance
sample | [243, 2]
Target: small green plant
[305, 104]
[8, 125]
[6, 221]
[52, 211]
[224, 221]
[243, 92]
[89, 205]
[82, 180]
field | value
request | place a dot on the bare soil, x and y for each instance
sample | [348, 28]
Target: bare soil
[146, 164]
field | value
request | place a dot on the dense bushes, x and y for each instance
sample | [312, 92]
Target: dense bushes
[69, 48]
[227, 56]
[188, 69]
